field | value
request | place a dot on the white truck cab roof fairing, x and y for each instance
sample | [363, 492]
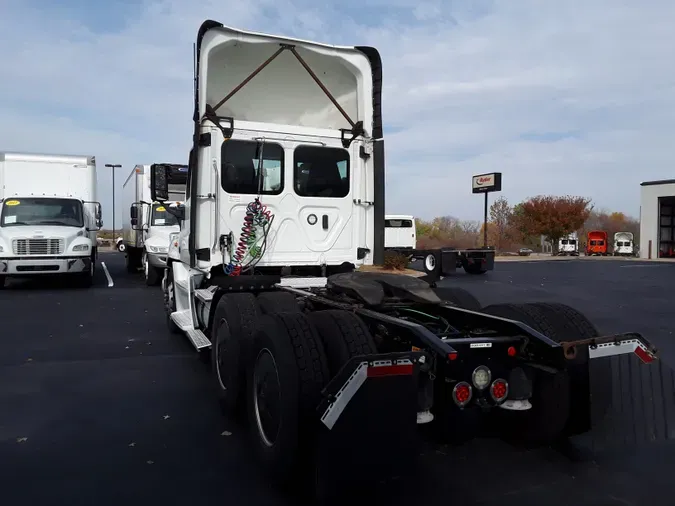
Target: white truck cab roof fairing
[296, 85]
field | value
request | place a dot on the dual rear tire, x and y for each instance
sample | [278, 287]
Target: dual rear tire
[270, 363]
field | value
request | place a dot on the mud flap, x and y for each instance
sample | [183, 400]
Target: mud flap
[368, 423]
[640, 407]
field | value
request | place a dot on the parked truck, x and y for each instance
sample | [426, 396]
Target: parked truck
[335, 368]
[623, 244]
[147, 224]
[49, 216]
[596, 243]
[399, 232]
[569, 245]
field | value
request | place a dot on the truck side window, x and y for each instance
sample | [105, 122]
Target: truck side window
[321, 172]
[398, 223]
[239, 171]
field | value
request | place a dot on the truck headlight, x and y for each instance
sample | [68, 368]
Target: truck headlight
[81, 247]
[158, 249]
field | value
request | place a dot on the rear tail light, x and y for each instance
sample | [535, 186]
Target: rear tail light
[462, 393]
[499, 390]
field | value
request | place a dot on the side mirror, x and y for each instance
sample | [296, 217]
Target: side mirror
[159, 183]
[133, 212]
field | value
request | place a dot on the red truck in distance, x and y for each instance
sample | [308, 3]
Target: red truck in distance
[596, 243]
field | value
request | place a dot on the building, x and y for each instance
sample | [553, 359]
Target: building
[657, 219]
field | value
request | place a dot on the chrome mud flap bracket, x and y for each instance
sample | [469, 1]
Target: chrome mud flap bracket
[368, 420]
[615, 401]
[612, 345]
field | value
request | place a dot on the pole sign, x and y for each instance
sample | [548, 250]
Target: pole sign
[484, 183]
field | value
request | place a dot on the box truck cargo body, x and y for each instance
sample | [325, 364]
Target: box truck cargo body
[49, 216]
[147, 225]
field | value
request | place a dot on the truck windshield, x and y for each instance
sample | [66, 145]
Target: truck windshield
[42, 211]
[161, 217]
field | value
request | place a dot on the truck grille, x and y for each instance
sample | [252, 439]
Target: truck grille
[38, 246]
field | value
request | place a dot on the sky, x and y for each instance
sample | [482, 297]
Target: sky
[563, 98]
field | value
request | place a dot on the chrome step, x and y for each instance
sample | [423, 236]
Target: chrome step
[206, 294]
[198, 339]
[183, 319]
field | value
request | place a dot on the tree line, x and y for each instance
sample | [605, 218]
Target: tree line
[524, 224]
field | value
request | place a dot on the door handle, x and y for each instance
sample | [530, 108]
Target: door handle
[324, 221]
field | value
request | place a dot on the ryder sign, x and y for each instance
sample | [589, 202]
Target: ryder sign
[484, 183]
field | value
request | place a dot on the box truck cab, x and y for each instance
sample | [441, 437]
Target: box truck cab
[569, 245]
[596, 243]
[49, 216]
[399, 232]
[148, 225]
[623, 244]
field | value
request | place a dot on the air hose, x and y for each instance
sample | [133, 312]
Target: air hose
[255, 228]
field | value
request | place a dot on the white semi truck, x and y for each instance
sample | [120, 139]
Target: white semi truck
[624, 244]
[335, 368]
[49, 216]
[147, 224]
[569, 245]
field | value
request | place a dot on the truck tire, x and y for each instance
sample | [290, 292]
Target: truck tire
[150, 273]
[131, 260]
[86, 279]
[472, 268]
[170, 302]
[546, 421]
[232, 330]
[277, 302]
[287, 371]
[571, 324]
[344, 335]
[458, 296]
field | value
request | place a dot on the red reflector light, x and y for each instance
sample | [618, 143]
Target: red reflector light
[390, 370]
[499, 390]
[462, 393]
[511, 351]
[452, 356]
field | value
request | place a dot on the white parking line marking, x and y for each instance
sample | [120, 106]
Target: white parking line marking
[107, 275]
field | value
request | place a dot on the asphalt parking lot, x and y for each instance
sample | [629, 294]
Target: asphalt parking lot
[99, 404]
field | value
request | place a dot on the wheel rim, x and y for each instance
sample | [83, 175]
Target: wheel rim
[169, 296]
[430, 262]
[266, 397]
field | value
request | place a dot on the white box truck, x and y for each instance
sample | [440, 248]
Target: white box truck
[399, 232]
[569, 245]
[624, 244]
[147, 224]
[49, 216]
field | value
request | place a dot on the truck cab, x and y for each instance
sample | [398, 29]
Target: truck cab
[596, 243]
[399, 232]
[149, 224]
[623, 244]
[48, 224]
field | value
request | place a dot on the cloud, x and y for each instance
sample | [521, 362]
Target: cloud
[561, 97]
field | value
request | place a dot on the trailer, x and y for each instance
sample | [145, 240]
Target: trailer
[624, 244]
[596, 243]
[49, 216]
[147, 224]
[339, 372]
[569, 245]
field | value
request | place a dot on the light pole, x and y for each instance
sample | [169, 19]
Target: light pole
[113, 166]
